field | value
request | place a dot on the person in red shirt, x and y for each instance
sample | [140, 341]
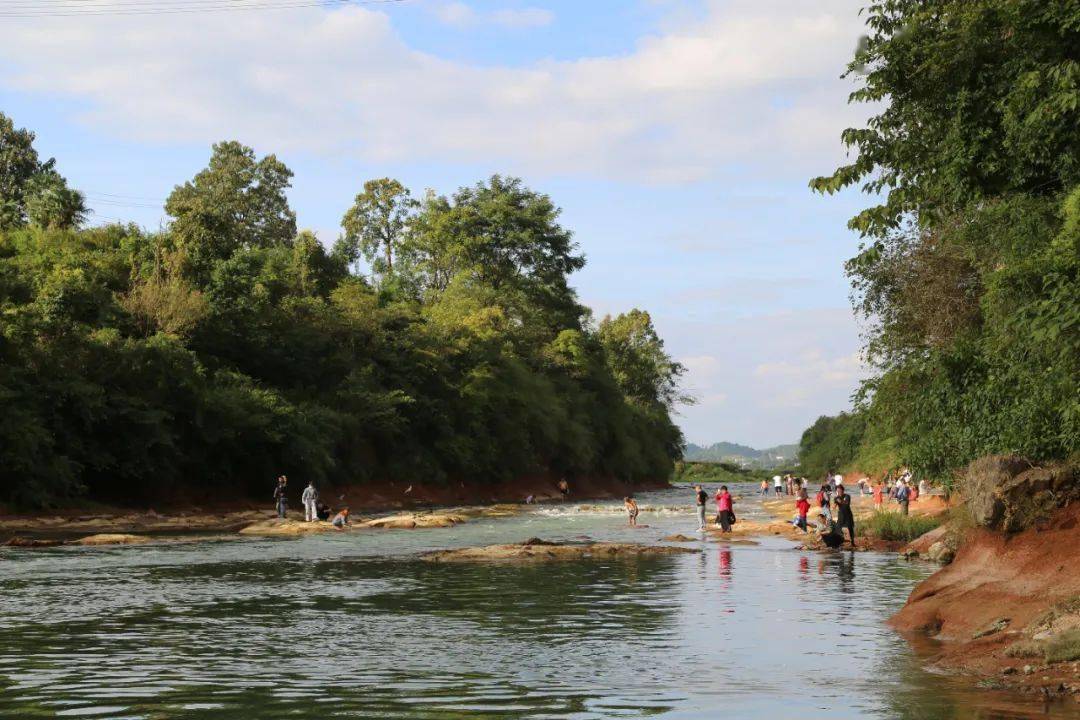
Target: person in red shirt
[879, 491]
[803, 506]
[724, 508]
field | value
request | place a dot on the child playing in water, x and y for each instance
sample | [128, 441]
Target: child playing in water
[631, 510]
[341, 519]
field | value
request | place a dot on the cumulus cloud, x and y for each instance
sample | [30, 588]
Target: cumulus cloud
[696, 97]
[763, 379]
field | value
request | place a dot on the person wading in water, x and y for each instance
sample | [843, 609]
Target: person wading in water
[631, 510]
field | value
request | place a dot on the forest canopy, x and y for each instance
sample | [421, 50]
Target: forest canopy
[231, 347]
[968, 269]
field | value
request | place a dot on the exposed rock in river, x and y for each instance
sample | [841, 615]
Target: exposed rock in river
[535, 550]
[286, 528]
[410, 521]
[111, 539]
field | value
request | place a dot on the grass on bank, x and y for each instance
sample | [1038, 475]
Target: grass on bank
[889, 525]
[1061, 648]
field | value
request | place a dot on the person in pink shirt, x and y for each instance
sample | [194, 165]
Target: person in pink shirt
[724, 504]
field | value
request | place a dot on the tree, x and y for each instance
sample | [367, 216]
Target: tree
[376, 223]
[32, 191]
[235, 202]
[505, 236]
[642, 368]
[981, 98]
[967, 270]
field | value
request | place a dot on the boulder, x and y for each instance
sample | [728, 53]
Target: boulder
[679, 538]
[1007, 492]
[941, 552]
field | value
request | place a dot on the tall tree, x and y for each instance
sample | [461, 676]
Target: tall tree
[641, 366]
[32, 191]
[376, 223]
[236, 202]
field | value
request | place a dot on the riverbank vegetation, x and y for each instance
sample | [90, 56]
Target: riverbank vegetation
[714, 473]
[437, 339]
[968, 267]
[895, 526]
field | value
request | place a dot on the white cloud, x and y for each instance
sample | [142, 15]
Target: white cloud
[762, 380]
[689, 100]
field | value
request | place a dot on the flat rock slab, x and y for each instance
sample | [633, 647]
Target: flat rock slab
[286, 528]
[410, 521]
[679, 538]
[111, 539]
[544, 552]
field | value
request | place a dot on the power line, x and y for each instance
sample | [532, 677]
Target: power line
[65, 8]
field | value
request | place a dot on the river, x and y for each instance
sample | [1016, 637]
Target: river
[353, 625]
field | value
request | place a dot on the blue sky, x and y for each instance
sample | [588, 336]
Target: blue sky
[678, 137]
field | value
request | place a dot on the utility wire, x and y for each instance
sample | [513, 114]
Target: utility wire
[8, 10]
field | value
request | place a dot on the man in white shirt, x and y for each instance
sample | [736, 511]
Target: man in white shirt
[777, 484]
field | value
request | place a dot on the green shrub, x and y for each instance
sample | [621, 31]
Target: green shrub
[1065, 647]
[895, 526]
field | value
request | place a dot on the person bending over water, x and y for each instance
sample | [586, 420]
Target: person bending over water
[724, 505]
[844, 517]
[631, 510]
[830, 535]
[341, 519]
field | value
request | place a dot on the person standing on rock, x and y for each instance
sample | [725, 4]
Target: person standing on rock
[310, 498]
[280, 499]
[701, 497]
[844, 517]
[724, 508]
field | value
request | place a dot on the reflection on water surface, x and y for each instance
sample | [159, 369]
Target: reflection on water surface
[352, 625]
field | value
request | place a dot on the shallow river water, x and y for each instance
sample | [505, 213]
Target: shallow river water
[353, 625]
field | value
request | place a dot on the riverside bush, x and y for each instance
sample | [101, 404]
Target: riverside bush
[894, 526]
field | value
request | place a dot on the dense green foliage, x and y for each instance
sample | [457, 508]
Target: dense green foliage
[230, 348]
[831, 443]
[715, 473]
[969, 268]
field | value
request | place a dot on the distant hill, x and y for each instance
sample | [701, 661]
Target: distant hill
[743, 455]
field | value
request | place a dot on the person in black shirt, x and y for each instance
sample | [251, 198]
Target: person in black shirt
[702, 497]
[844, 517]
